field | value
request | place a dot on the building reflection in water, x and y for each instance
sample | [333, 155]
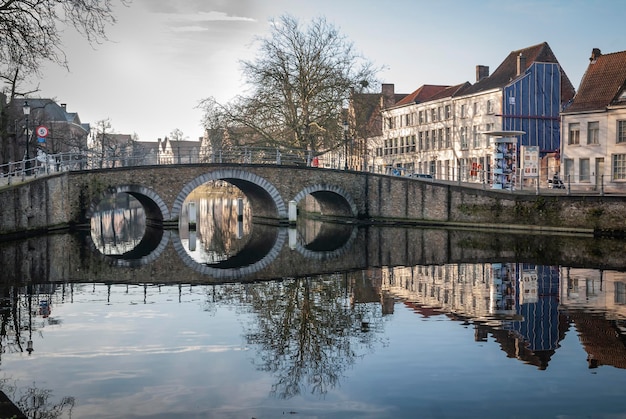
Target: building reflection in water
[524, 307]
[220, 222]
[118, 225]
[596, 304]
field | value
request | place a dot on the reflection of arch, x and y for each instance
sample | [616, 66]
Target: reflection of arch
[332, 241]
[152, 244]
[261, 250]
[333, 200]
[155, 209]
[262, 195]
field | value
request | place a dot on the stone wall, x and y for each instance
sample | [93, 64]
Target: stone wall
[40, 205]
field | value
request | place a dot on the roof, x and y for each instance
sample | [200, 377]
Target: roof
[451, 91]
[507, 71]
[422, 94]
[603, 83]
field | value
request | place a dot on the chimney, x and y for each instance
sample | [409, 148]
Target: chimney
[388, 91]
[521, 64]
[595, 53]
[482, 72]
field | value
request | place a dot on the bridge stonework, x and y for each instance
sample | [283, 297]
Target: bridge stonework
[69, 198]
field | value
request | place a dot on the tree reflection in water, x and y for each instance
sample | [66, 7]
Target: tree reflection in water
[308, 333]
[36, 402]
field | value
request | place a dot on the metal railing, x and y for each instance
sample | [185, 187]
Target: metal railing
[45, 164]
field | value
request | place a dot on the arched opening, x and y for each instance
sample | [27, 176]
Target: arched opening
[126, 224]
[223, 219]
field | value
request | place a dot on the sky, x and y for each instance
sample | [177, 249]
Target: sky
[163, 57]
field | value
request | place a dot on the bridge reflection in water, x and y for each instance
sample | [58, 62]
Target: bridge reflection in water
[221, 241]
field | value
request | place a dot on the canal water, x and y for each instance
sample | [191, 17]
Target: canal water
[380, 322]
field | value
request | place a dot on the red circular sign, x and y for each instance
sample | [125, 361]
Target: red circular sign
[42, 131]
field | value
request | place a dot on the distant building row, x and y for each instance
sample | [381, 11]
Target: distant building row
[444, 130]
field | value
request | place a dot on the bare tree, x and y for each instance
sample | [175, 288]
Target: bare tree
[299, 84]
[30, 30]
[30, 35]
[216, 139]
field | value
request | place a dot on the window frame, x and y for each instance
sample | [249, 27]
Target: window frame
[620, 131]
[584, 170]
[618, 172]
[593, 133]
[573, 133]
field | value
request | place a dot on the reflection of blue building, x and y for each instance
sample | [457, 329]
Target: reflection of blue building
[538, 305]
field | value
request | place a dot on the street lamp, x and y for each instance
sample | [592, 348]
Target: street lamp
[26, 109]
[345, 144]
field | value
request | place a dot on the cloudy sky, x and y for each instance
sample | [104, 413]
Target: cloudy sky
[164, 56]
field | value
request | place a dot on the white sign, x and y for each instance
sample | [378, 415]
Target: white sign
[530, 161]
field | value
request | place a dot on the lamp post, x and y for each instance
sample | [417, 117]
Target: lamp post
[345, 144]
[26, 109]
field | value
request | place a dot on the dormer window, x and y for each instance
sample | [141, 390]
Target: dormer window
[622, 96]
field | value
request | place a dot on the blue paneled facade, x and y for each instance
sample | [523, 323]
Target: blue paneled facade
[531, 103]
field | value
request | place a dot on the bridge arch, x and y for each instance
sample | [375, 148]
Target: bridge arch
[154, 207]
[332, 199]
[263, 196]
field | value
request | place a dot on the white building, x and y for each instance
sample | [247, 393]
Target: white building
[439, 130]
[594, 127]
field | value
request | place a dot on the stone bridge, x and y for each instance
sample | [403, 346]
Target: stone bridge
[69, 198]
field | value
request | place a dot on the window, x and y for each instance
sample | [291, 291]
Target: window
[462, 111]
[426, 141]
[447, 111]
[463, 134]
[433, 114]
[413, 143]
[439, 113]
[475, 140]
[440, 138]
[569, 168]
[421, 140]
[448, 139]
[574, 134]
[475, 110]
[583, 169]
[433, 136]
[489, 107]
[619, 167]
[593, 133]
[488, 127]
[621, 131]
[620, 293]
[421, 117]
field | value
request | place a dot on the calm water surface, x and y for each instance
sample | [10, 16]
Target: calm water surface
[482, 333]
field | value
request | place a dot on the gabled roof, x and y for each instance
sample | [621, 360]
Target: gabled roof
[603, 84]
[422, 94]
[507, 71]
[452, 91]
